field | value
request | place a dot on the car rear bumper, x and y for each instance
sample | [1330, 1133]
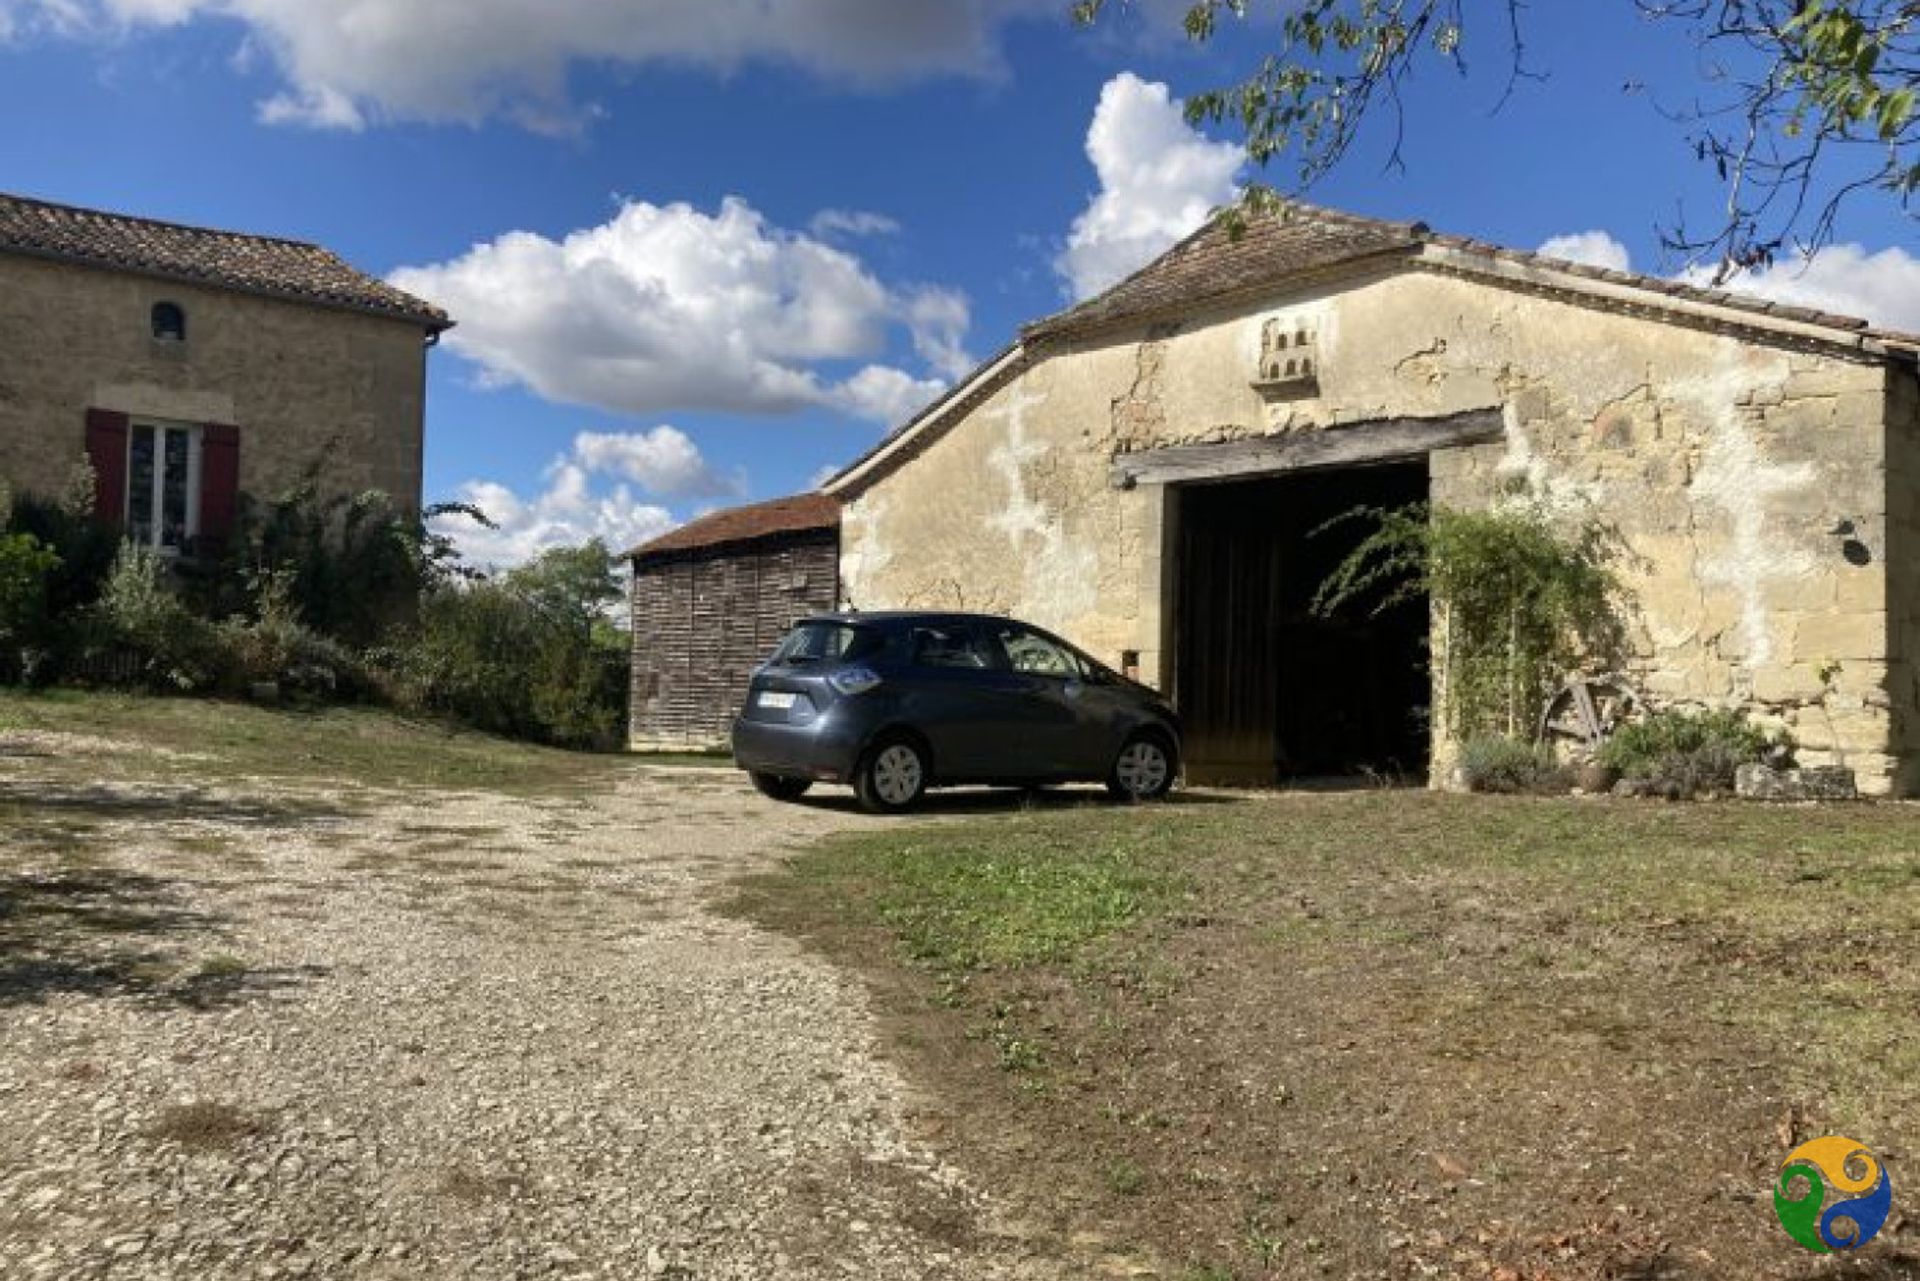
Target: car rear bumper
[823, 749]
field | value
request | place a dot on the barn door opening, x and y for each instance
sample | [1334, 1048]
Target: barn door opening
[1267, 689]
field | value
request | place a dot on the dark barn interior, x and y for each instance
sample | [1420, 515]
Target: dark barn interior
[1267, 689]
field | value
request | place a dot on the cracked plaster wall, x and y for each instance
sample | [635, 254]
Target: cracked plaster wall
[1725, 462]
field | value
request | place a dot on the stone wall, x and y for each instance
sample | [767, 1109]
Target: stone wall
[1903, 574]
[1727, 462]
[300, 382]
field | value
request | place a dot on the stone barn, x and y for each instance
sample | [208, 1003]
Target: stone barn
[1141, 474]
[710, 599]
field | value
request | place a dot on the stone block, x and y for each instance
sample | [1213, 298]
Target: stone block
[1831, 379]
[1787, 683]
[1819, 783]
[1820, 637]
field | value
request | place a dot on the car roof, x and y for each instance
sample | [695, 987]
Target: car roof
[884, 617]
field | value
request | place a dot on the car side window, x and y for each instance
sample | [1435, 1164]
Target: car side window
[1035, 655]
[949, 647]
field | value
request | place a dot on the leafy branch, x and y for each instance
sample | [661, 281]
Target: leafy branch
[1805, 102]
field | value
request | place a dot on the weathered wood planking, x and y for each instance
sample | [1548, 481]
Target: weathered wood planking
[702, 620]
[1381, 441]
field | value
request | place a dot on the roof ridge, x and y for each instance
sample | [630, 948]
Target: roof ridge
[61, 206]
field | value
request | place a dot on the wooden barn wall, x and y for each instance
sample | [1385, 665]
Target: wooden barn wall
[702, 622]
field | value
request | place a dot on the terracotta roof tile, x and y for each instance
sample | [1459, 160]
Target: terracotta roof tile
[1216, 261]
[1299, 239]
[221, 259]
[797, 514]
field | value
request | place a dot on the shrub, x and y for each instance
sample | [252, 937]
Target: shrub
[1495, 763]
[489, 655]
[49, 624]
[530, 655]
[1524, 599]
[276, 647]
[1686, 753]
[25, 567]
[355, 566]
[139, 613]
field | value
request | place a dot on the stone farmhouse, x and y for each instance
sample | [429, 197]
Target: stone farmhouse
[189, 366]
[1143, 473]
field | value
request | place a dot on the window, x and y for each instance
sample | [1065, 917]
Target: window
[949, 647]
[163, 485]
[1036, 655]
[169, 322]
[812, 642]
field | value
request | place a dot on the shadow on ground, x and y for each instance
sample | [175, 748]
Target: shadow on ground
[115, 933]
[983, 800]
[44, 801]
[73, 922]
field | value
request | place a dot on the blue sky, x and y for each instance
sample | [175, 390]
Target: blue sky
[626, 202]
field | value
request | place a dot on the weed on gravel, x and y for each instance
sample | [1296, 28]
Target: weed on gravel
[208, 1127]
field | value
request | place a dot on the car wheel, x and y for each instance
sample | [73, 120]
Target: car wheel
[892, 777]
[780, 787]
[1144, 769]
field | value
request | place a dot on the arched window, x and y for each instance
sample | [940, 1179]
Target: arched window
[169, 322]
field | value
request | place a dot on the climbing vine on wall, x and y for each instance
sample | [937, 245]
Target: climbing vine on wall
[1523, 601]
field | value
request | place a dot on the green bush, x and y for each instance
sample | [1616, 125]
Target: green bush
[141, 616]
[1524, 597]
[275, 647]
[1685, 753]
[492, 656]
[1495, 763]
[25, 567]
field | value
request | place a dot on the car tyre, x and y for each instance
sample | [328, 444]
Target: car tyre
[779, 787]
[1145, 767]
[892, 776]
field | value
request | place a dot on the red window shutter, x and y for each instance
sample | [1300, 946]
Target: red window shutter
[107, 453]
[219, 482]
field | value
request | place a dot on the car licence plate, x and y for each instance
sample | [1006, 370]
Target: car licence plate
[777, 699]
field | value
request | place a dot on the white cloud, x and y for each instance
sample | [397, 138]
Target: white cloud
[571, 509]
[1846, 279]
[886, 395]
[565, 514]
[1593, 248]
[1159, 179]
[347, 63]
[939, 319]
[823, 473]
[666, 307]
[851, 222]
[664, 462]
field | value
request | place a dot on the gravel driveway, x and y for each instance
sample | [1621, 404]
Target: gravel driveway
[266, 1032]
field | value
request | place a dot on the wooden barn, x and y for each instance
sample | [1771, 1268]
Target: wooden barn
[710, 599]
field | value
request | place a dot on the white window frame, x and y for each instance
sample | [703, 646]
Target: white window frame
[195, 447]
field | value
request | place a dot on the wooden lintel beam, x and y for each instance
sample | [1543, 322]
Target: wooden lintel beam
[1356, 444]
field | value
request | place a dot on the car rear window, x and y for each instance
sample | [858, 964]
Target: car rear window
[826, 642]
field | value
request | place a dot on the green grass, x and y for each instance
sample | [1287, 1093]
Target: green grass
[1356, 981]
[1016, 892]
[203, 738]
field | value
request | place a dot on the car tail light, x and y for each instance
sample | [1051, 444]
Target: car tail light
[854, 680]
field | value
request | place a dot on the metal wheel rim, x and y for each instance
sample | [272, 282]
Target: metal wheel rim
[1142, 768]
[896, 774]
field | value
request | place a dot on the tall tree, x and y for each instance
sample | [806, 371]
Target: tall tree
[1804, 103]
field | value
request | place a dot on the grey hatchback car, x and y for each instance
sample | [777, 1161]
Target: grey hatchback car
[895, 703]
